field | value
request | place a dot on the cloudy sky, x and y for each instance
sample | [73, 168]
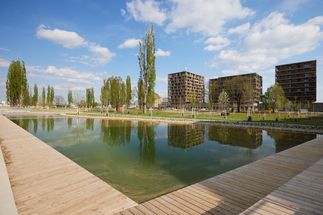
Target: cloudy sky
[76, 44]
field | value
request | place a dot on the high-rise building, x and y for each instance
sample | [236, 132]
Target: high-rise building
[254, 80]
[298, 79]
[181, 84]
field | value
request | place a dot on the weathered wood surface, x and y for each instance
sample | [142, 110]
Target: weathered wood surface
[44, 181]
[246, 187]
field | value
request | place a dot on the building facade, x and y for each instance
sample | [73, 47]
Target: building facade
[298, 79]
[253, 79]
[181, 84]
[158, 100]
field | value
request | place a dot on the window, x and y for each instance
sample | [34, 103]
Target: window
[307, 89]
[289, 67]
[307, 65]
[298, 66]
[290, 81]
[307, 75]
[307, 85]
[289, 72]
[289, 76]
[305, 93]
[289, 90]
[298, 90]
[289, 85]
[306, 80]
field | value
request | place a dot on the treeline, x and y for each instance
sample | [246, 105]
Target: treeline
[19, 93]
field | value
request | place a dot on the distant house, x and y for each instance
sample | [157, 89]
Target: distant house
[5, 104]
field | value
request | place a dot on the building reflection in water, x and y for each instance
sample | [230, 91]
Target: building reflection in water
[285, 140]
[185, 136]
[240, 137]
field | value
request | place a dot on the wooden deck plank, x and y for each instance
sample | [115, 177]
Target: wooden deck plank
[46, 182]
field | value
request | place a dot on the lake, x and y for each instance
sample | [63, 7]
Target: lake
[144, 160]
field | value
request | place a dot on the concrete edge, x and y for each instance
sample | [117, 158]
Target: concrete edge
[7, 201]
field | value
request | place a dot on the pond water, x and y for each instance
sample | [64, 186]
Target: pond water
[144, 160]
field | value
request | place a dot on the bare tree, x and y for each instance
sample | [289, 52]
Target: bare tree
[59, 100]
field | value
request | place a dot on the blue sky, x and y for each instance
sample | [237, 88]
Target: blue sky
[76, 44]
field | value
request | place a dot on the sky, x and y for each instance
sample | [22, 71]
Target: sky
[75, 44]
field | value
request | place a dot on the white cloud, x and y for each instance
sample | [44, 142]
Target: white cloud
[3, 84]
[291, 5]
[205, 16]
[164, 80]
[65, 73]
[34, 69]
[4, 49]
[271, 39]
[240, 29]
[130, 43]
[147, 10]
[68, 39]
[123, 12]
[101, 55]
[67, 86]
[4, 63]
[219, 42]
[161, 53]
[230, 72]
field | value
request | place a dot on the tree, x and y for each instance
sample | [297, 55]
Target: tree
[35, 96]
[59, 100]
[52, 95]
[90, 97]
[105, 93]
[308, 107]
[16, 83]
[223, 99]
[297, 105]
[128, 91]
[48, 95]
[26, 99]
[69, 97]
[44, 96]
[140, 93]
[192, 100]
[123, 93]
[146, 59]
[275, 98]
[78, 97]
[116, 96]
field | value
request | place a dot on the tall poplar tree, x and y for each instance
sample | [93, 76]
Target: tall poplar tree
[146, 59]
[26, 98]
[128, 91]
[48, 95]
[16, 83]
[52, 95]
[35, 96]
[69, 97]
[105, 89]
[140, 93]
[44, 96]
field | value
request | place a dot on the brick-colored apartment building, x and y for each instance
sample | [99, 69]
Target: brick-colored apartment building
[256, 82]
[298, 79]
[181, 84]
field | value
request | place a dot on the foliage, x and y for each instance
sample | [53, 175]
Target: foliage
[224, 99]
[43, 96]
[16, 83]
[52, 95]
[289, 105]
[128, 91]
[26, 99]
[90, 97]
[35, 96]
[274, 97]
[69, 97]
[116, 95]
[236, 90]
[140, 93]
[105, 89]
[146, 59]
[48, 96]
[297, 105]
[192, 98]
[212, 92]
[78, 97]
[308, 106]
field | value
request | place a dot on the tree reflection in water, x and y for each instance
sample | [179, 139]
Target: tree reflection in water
[116, 132]
[147, 149]
[69, 123]
[78, 132]
[35, 122]
[285, 140]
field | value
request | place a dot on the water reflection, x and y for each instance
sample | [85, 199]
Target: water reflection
[185, 136]
[147, 149]
[89, 124]
[285, 140]
[247, 138]
[115, 132]
[69, 123]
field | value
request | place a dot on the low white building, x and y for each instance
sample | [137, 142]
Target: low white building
[5, 104]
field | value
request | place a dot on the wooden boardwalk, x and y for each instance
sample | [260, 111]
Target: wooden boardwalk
[246, 189]
[44, 181]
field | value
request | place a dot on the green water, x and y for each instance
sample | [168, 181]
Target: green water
[144, 160]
